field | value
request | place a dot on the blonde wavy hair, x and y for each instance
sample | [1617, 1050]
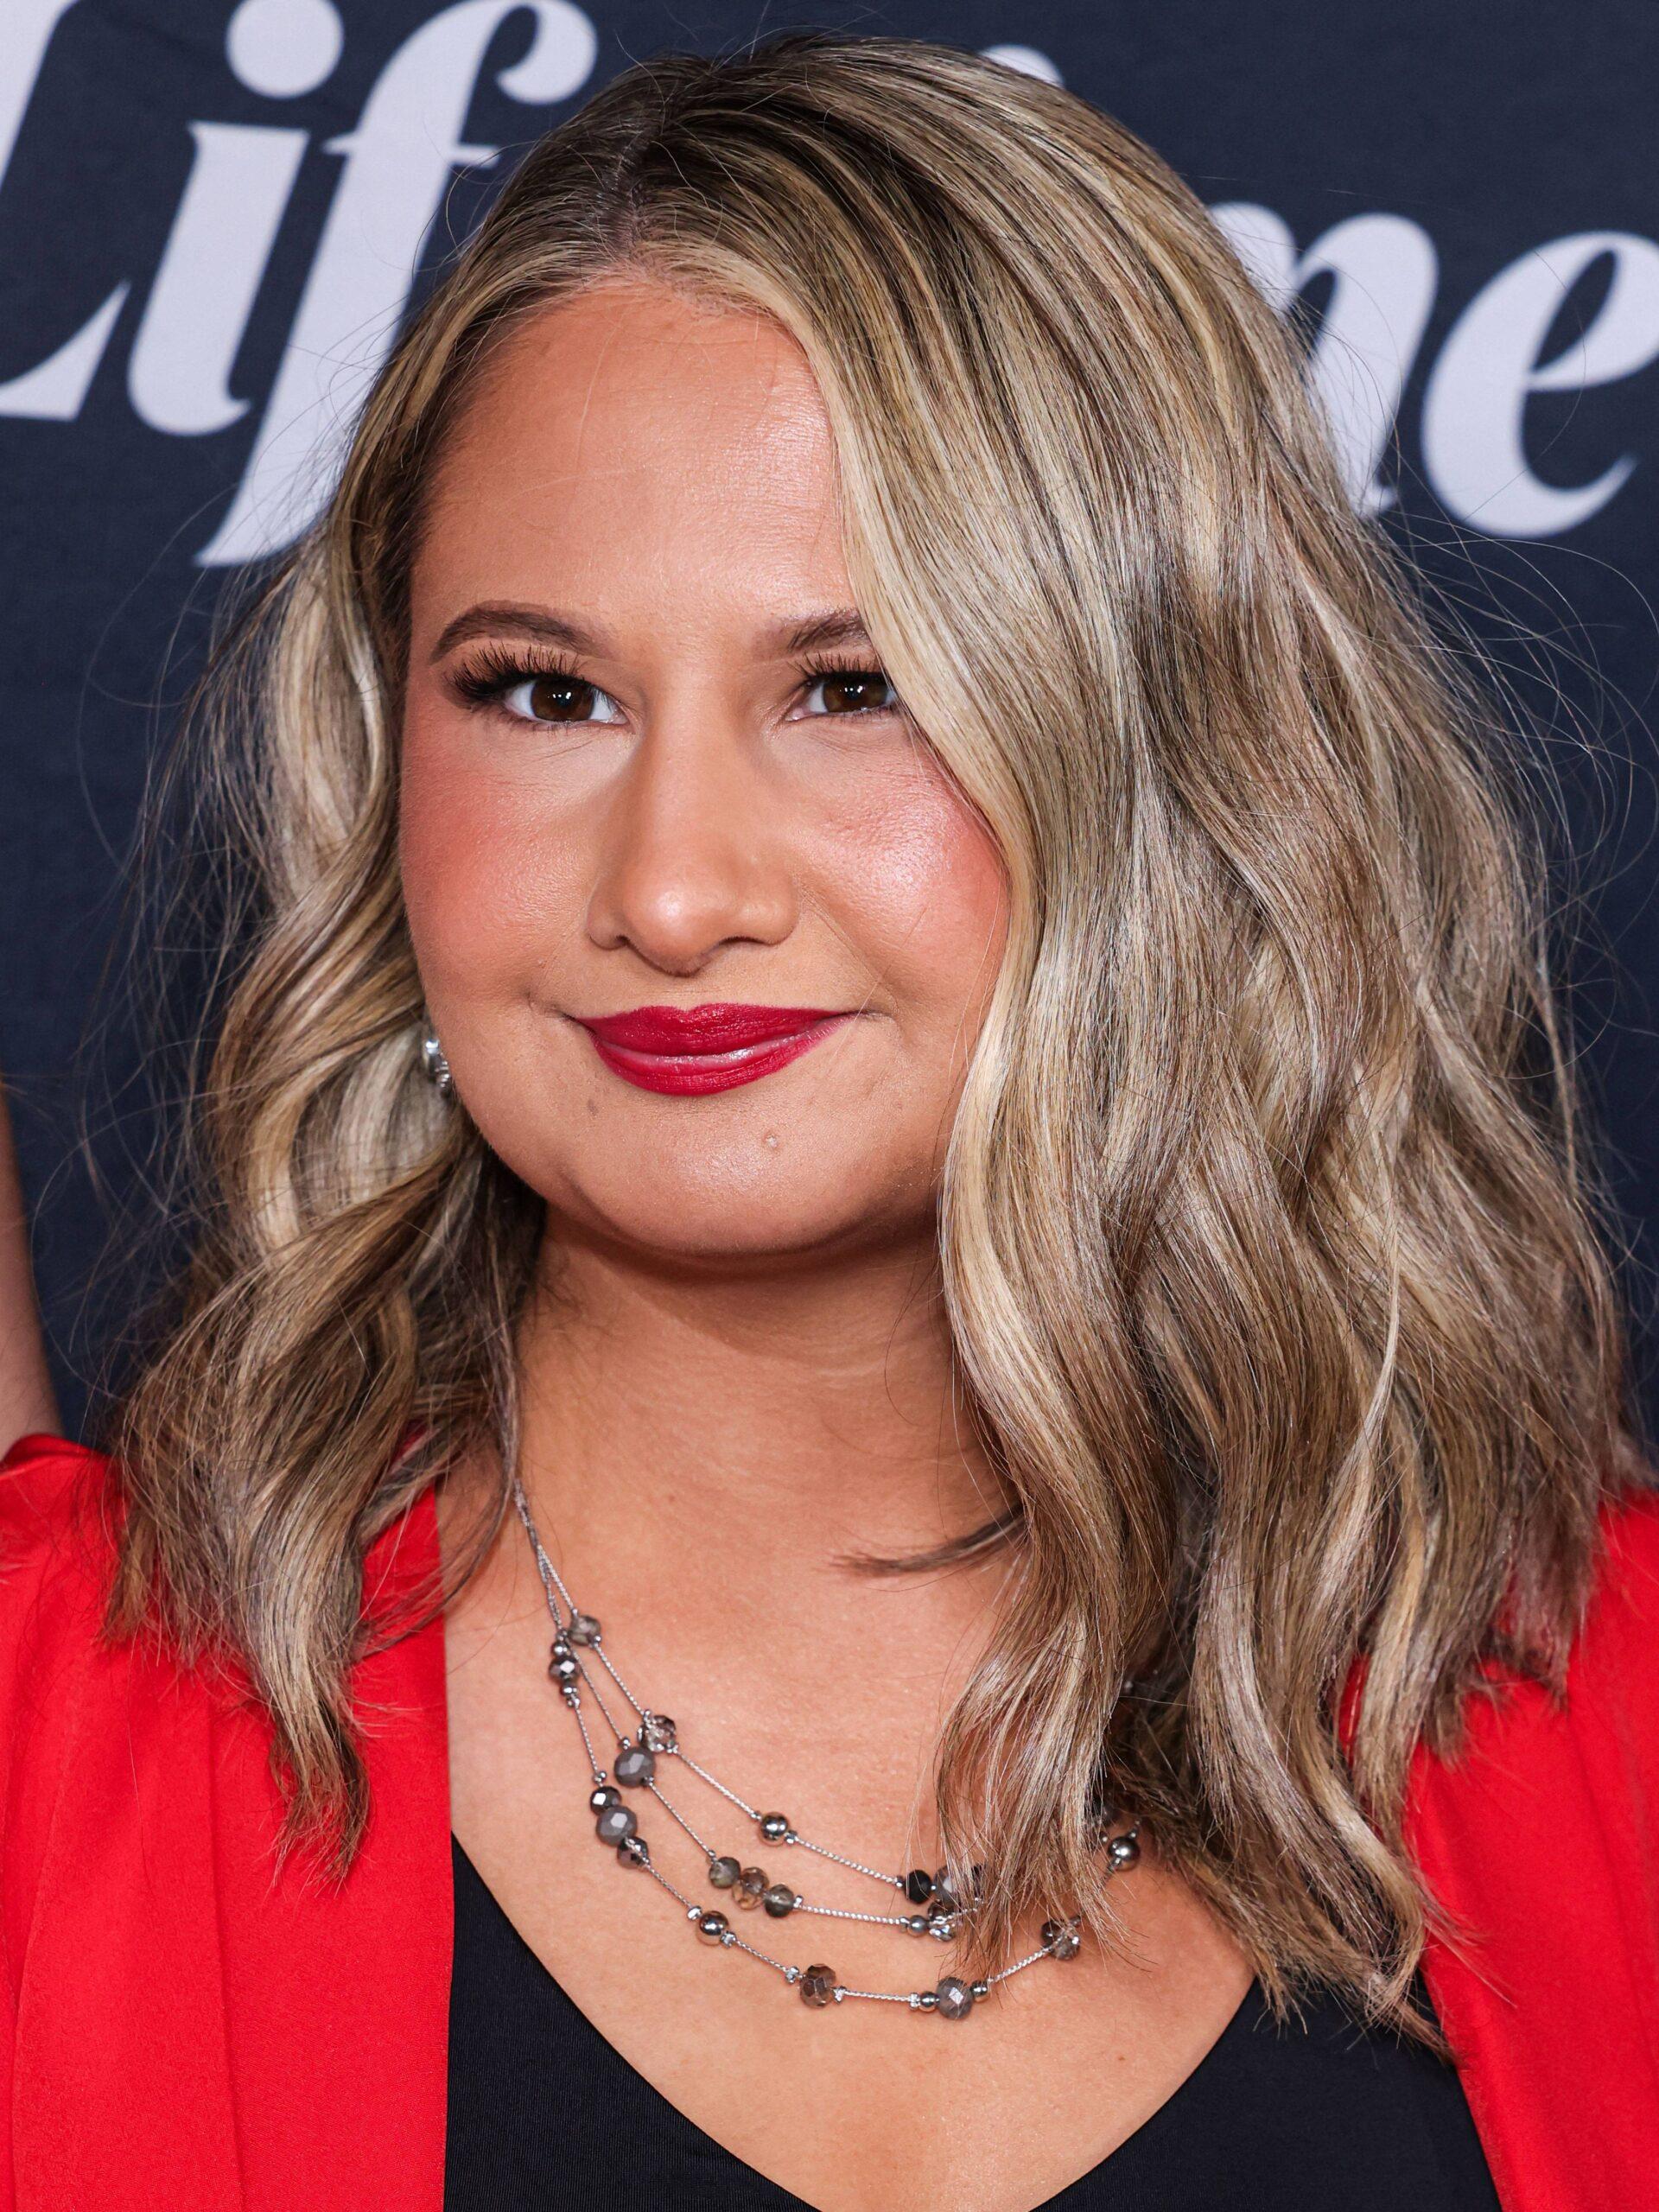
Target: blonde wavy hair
[1267, 1255]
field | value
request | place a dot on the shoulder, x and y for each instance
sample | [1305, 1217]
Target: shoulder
[1612, 1677]
[1612, 1709]
[57, 1552]
[1535, 1841]
[58, 1508]
[1623, 1613]
[46, 1481]
[1533, 1767]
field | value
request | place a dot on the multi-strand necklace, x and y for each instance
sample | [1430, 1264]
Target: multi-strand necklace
[580, 1667]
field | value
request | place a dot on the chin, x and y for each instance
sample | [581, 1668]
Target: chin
[741, 1223]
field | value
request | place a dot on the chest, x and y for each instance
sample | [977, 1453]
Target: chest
[852, 2106]
[1273, 2118]
[187, 2029]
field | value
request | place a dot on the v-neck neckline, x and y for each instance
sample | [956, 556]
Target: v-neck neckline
[1243, 2019]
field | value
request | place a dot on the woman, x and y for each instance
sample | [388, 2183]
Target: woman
[889, 1034]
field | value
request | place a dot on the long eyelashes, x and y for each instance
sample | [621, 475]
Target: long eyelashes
[492, 672]
[489, 674]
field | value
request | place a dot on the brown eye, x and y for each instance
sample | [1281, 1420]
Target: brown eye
[554, 697]
[559, 699]
[854, 691]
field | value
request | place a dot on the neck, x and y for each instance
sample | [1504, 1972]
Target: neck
[790, 1419]
[707, 1458]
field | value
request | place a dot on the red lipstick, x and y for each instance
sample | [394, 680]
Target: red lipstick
[689, 1051]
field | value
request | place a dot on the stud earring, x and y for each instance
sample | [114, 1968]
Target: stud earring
[435, 1067]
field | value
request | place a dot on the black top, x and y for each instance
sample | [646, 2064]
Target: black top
[544, 2116]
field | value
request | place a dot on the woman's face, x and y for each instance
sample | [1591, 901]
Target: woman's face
[653, 769]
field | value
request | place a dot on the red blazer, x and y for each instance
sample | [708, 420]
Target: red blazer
[180, 2031]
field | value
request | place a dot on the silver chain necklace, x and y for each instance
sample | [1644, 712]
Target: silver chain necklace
[576, 1658]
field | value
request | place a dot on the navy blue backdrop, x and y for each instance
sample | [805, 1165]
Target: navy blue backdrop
[212, 217]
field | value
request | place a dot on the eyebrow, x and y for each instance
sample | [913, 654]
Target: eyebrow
[838, 625]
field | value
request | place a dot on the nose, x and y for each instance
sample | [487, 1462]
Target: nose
[695, 852]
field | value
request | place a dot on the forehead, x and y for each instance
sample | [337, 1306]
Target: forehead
[632, 423]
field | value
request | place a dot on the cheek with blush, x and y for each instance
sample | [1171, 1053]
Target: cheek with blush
[493, 884]
[909, 873]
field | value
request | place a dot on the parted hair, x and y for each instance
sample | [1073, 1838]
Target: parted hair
[1270, 1251]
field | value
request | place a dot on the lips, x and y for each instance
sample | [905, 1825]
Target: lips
[689, 1051]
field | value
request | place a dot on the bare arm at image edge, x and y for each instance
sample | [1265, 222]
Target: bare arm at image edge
[26, 1396]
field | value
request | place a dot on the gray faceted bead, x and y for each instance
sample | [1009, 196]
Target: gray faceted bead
[583, 1629]
[780, 1901]
[723, 1872]
[817, 1986]
[1061, 1940]
[955, 1998]
[750, 1887]
[615, 1824]
[635, 1766]
[599, 1798]
[659, 1733]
